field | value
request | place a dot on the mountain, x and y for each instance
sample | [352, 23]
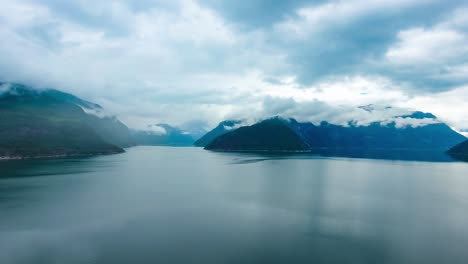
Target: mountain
[50, 123]
[108, 127]
[270, 135]
[436, 136]
[222, 128]
[424, 132]
[460, 151]
[195, 128]
[163, 135]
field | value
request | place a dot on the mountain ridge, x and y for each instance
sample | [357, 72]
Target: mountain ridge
[222, 128]
[49, 123]
[375, 136]
[270, 135]
[459, 151]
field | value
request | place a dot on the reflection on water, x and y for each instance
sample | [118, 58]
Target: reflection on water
[28, 168]
[186, 205]
[407, 155]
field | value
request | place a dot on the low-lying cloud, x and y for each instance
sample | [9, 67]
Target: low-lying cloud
[318, 111]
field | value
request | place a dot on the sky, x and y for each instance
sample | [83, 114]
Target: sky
[198, 62]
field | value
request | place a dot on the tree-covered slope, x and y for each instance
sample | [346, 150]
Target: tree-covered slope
[107, 127]
[37, 123]
[221, 129]
[460, 151]
[433, 136]
[437, 136]
[269, 135]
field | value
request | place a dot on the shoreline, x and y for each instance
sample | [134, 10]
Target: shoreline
[321, 150]
[57, 156]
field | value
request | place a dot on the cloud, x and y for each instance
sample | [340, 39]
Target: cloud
[436, 54]
[99, 112]
[156, 130]
[4, 87]
[419, 46]
[413, 122]
[449, 106]
[256, 13]
[318, 111]
[235, 126]
[349, 37]
[175, 61]
[315, 18]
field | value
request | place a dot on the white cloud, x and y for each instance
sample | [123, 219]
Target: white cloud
[4, 88]
[99, 112]
[316, 18]
[413, 122]
[156, 130]
[171, 65]
[192, 24]
[458, 19]
[420, 46]
[316, 111]
[437, 52]
[235, 126]
[449, 106]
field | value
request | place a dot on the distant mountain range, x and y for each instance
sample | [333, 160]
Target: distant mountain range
[50, 123]
[163, 135]
[288, 135]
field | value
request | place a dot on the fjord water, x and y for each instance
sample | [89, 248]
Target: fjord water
[187, 205]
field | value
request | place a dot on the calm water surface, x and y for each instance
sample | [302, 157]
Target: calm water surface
[187, 205]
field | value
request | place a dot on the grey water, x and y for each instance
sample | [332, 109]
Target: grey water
[187, 205]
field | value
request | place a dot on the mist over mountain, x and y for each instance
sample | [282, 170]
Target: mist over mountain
[195, 128]
[40, 123]
[49, 122]
[163, 135]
